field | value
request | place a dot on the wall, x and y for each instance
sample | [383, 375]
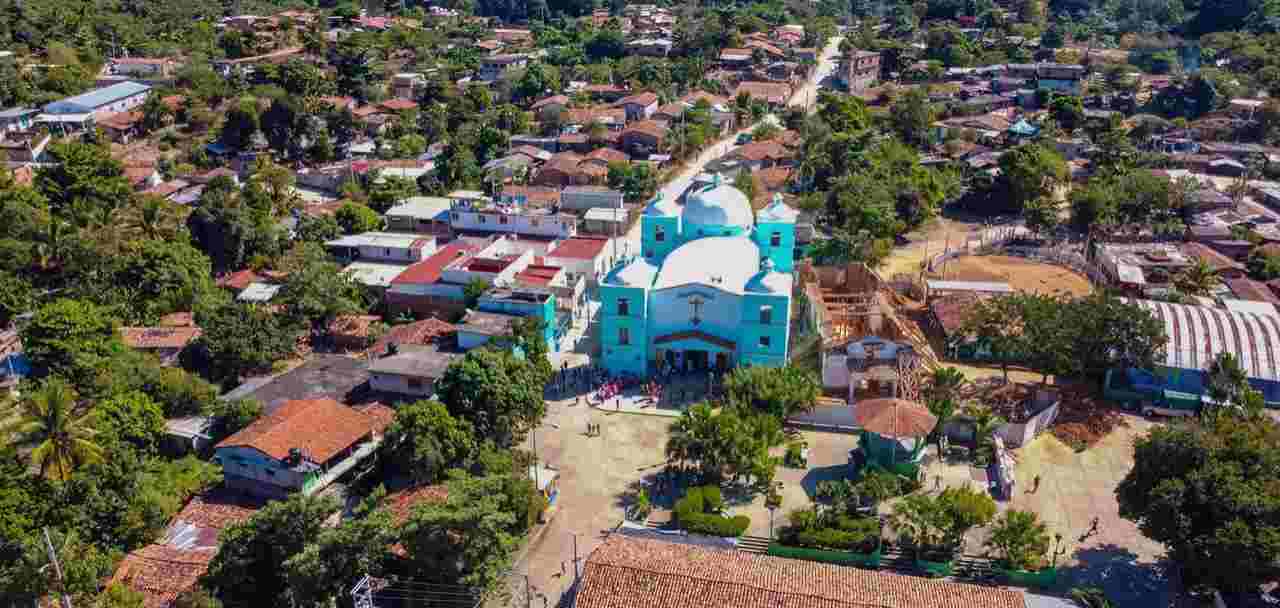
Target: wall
[392, 383]
[581, 201]
[653, 250]
[782, 256]
[1017, 435]
[251, 464]
[468, 340]
[670, 312]
[750, 330]
[539, 225]
[632, 358]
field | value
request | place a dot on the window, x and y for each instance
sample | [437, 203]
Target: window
[415, 384]
[764, 341]
[624, 336]
[624, 307]
[534, 222]
[775, 239]
[766, 315]
[659, 234]
[484, 219]
[502, 219]
[700, 233]
[455, 216]
[386, 252]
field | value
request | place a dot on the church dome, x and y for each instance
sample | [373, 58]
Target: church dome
[718, 205]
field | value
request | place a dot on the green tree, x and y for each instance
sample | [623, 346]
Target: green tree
[238, 340]
[912, 117]
[779, 391]
[241, 122]
[1031, 171]
[1020, 540]
[131, 417]
[163, 277]
[52, 425]
[318, 292]
[231, 416]
[155, 114]
[356, 218]
[1067, 111]
[498, 393]
[1040, 215]
[337, 558]
[81, 181]
[1198, 279]
[317, 229]
[424, 441]
[16, 297]
[71, 338]
[467, 540]
[251, 565]
[1204, 491]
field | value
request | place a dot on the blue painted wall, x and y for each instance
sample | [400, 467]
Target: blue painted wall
[630, 358]
[752, 329]
[650, 247]
[783, 255]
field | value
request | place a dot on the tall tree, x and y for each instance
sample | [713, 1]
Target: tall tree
[57, 431]
[424, 441]
[71, 338]
[1206, 491]
[498, 393]
[81, 180]
[250, 567]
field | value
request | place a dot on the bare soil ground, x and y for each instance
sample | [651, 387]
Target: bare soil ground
[1021, 274]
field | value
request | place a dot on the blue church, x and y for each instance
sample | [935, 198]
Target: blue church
[710, 290]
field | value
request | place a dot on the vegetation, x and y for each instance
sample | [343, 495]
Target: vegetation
[934, 525]
[779, 391]
[1020, 540]
[700, 512]
[730, 443]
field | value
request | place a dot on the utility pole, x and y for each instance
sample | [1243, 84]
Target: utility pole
[528, 594]
[575, 558]
[57, 569]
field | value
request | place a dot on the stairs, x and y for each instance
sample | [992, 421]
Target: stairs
[753, 544]
[893, 559]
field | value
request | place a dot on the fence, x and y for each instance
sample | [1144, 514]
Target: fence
[1066, 253]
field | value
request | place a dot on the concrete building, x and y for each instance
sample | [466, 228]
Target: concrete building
[711, 290]
[300, 447]
[382, 246]
[493, 67]
[862, 69]
[421, 215]
[510, 217]
[80, 111]
[581, 198]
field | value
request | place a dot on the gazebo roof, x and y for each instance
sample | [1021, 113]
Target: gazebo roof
[894, 417]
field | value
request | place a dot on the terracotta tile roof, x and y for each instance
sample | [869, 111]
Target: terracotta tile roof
[673, 109]
[402, 502]
[397, 105]
[630, 572]
[219, 508]
[774, 178]
[162, 573]
[771, 92]
[1216, 260]
[538, 274]
[572, 139]
[563, 161]
[365, 111]
[339, 101]
[608, 155]
[766, 47]
[1249, 289]
[548, 101]
[595, 89]
[579, 248]
[353, 325]
[586, 116]
[951, 310]
[120, 121]
[381, 415]
[536, 195]
[428, 271]
[158, 337]
[238, 280]
[178, 319]
[24, 175]
[320, 427]
[138, 175]
[426, 331]
[763, 150]
[651, 128]
[712, 99]
[646, 98]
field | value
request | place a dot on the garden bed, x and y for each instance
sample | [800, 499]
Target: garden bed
[1084, 418]
[843, 558]
[1043, 579]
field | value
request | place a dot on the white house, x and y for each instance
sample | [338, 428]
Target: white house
[82, 110]
[510, 217]
[585, 257]
[383, 246]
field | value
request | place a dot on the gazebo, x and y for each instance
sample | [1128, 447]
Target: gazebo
[893, 432]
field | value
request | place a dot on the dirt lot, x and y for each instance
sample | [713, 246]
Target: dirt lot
[1021, 274]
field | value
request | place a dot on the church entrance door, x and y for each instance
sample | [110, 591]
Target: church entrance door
[722, 362]
[696, 360]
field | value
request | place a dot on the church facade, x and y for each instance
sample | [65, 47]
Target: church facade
[710, 290]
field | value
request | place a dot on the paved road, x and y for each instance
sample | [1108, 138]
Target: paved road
[805, 96]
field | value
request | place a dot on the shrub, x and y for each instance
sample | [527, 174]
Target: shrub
[793, 457]
[859, 535]
[712, 500]
[716, 525]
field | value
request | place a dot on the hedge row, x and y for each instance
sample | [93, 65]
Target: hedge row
[715, 525]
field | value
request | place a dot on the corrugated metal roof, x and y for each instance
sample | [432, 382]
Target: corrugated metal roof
[100, 97]
[1198, 334]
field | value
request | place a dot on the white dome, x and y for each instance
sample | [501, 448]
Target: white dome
[778, 212]
[723, 262]
[719, 205]
[636, 273]
[661, 206]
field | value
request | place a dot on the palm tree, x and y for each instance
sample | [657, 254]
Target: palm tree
[1197, 279]
[945, 383]
[152, 217]
[1091, 597]
[50, 425]
[985, 424]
